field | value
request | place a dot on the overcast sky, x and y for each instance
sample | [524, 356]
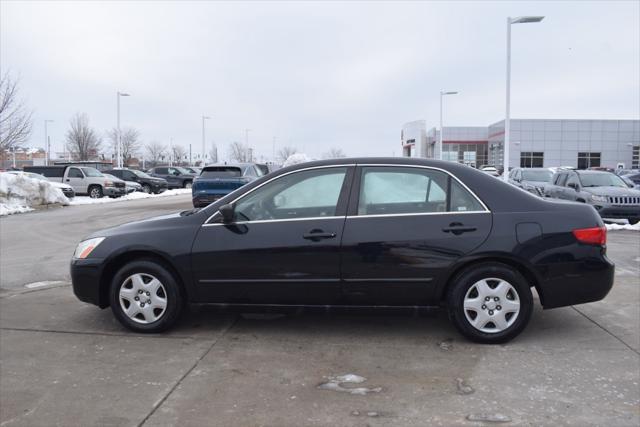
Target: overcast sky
[316, 74]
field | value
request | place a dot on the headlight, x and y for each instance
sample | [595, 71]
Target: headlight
[108, 184]
[86, 247]
[597, 198]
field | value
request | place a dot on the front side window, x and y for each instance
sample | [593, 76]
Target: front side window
[305, 194]
[402, 190]
[75, 173]
[161, 171]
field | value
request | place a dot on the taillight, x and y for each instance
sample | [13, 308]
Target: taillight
[592, 236]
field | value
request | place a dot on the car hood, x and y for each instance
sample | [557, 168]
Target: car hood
[536, 183]
[611, 191]
[149, 224]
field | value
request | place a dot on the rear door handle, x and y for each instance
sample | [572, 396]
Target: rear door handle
[458, 228]
[317, 235]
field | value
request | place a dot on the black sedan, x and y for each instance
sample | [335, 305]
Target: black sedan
[367, 232]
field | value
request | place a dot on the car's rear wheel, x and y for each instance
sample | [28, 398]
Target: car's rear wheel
[146, 188]
[95, 192]
[145, 297]
[490, 303]
[633, 221]
[187, 184]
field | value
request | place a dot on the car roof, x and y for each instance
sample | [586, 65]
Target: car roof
[592, 172]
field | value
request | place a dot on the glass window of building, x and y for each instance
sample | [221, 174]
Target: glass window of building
[588, 160]
[531, 159]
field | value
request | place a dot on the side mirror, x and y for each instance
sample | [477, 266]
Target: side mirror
[228, 213]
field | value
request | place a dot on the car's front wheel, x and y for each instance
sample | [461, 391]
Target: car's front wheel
[95, 192]
[145, 297]
[490, 303]
[188, 184]
[146, 188]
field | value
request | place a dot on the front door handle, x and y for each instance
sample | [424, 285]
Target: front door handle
[317, 235]
[458, 228]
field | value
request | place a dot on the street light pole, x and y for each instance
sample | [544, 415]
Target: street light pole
[442, 93]
[203, 144]
[46, 142]
[507, 116]
[119, 142]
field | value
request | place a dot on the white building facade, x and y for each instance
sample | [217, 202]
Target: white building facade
[540, 143]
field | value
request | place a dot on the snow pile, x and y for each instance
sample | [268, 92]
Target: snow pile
[136, 195]
[19, 193]
[296, 158]
[635, 227]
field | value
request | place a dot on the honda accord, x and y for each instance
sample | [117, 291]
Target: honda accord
[355, 232]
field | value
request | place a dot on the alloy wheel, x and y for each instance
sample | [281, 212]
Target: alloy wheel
[491, 305]
[143, 298]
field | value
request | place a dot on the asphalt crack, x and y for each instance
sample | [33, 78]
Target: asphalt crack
[159, 403]
[607, 331]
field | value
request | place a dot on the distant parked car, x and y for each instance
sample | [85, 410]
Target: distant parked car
[176, 177]
[193, 170]
[129, 187]
[491, 170]
[66, 189]
[605, 191]
[264, 168]
[630, 182]
[148, 183]
[83, 179]
[532, 180]
[217, 181]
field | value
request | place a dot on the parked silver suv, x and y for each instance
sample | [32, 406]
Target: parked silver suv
[605, 191]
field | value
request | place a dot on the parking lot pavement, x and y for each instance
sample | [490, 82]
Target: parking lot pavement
[68, 363]
[37, 246]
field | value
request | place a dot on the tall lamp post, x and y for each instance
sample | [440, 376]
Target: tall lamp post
[203, 145]
[46, 141]
[119, 144]
[507, 120]
[442, 93]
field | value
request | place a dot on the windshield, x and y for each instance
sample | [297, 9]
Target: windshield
[140, 173]
[222, 172]
[91, 172]
[36, 176]
[536, 175]
[601, 180]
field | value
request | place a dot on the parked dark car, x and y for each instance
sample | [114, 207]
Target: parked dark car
[216, 181]
[176, 177]
[532, 180]
[149, 183]
[605, 191]
[369, 231]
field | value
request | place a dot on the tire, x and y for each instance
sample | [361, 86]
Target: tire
[95, 192]
[511, 312]
[633, 221]
[146, 188]
[126, 286]
[187, 184]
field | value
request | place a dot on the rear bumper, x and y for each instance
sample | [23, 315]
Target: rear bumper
[612, 211]
[85, 280]
[201, 200]
[583, 281]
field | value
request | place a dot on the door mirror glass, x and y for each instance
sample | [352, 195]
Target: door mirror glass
[228, 213]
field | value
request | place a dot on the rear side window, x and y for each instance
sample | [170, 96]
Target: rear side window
[160, 171]
[221, 172]
[401, 190]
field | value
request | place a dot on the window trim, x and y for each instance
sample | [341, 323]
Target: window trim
[207, 223]
[353, 203]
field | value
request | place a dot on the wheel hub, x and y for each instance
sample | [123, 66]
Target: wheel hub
[143, 298]
[491, 305]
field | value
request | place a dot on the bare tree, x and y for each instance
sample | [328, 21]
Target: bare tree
[285, 152]
[179, 154]
[130, 144]
[15, 119]
[82, 141]
[334, 153]
[239, 152]
[155, 152]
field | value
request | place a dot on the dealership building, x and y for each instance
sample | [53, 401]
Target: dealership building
[534, 143]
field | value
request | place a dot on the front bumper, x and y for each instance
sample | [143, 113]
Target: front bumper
[114, 191]
[68, 193]
[85, 280]
[618, 211]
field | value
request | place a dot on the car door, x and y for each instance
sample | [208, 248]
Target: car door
[75, 178]
[283, 245]
[406, 226]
